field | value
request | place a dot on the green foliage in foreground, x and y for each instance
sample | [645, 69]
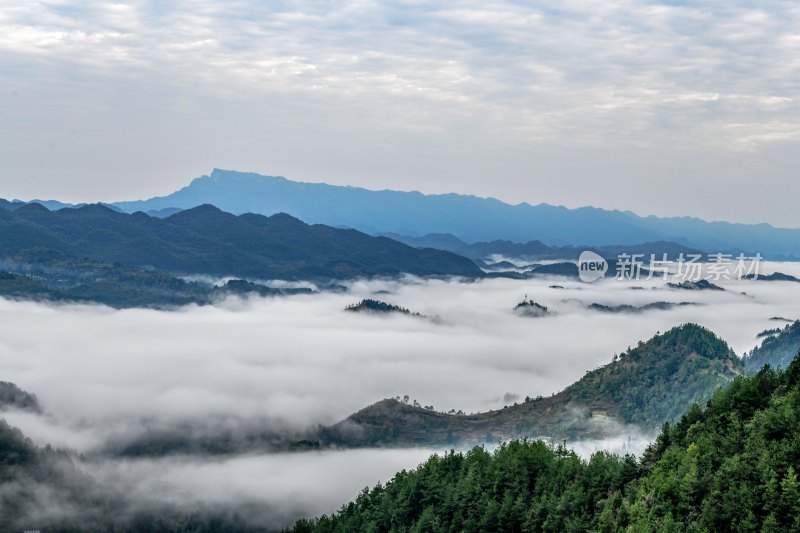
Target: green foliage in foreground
[731, 466]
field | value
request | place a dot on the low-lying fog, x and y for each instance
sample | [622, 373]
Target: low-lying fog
[291, 362]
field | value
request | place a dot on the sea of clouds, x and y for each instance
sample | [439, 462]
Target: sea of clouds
[285, 364]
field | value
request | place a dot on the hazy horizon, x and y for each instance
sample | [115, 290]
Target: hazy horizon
[661, 108]
[366, 187]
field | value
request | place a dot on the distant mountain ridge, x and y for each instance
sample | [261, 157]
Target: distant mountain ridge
[537, 250]
[469, 218]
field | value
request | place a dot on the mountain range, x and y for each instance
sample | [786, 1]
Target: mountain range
[98, 254]
[206, 240]
[468, 218]
[537, 250]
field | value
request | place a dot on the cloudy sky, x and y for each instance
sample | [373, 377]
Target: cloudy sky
[662, 108]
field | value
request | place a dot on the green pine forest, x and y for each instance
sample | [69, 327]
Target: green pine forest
[730, 465]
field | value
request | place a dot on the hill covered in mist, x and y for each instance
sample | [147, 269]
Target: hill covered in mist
[639, 390]
[635, 394]
[47, 489]
[776, 350]
[688, 478]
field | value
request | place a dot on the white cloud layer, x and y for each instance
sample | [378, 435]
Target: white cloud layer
[302, 360]
[279, 488]
[120, 100]
[104, 375]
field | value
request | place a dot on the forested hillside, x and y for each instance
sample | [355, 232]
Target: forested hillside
[206, 240]
[776, 350]
[644, 386]
[729, 466]
[95, 254]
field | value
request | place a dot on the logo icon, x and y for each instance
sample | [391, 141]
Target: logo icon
[591, 266]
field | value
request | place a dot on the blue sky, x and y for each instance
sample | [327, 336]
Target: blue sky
[679, 108]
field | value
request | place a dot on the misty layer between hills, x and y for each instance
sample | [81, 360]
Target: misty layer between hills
[278, 366]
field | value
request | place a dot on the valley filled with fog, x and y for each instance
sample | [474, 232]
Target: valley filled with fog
[280, 365]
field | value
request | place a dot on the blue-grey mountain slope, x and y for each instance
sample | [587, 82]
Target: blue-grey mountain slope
[95, 254]
[467, 217]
